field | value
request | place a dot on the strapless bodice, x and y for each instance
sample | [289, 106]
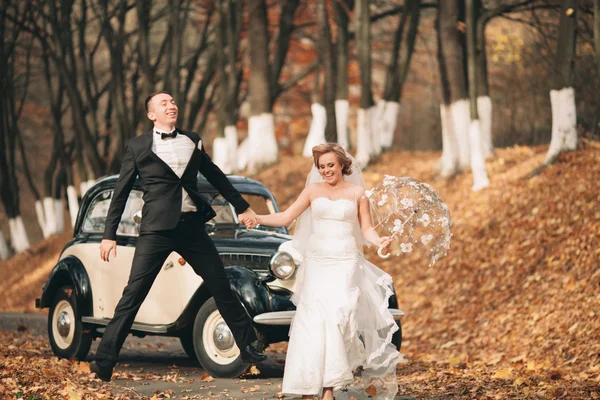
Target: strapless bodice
[333, 224]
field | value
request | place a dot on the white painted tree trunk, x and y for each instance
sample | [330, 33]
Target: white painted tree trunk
[231, 135]
[263, 143]
[41, 218]
[3, 248]
[341, 117]
[374, 132]
[85, 186]
[564, 123]
[448, 163]
[316, 133]
[73, 203]
[50, 213]
[480, 177]
[82, 188]
[388, 120]
[484, 108]
[220, 155]
[461, 118]
[363, 138]
[243, 157]
[60, 215]
[19, 239]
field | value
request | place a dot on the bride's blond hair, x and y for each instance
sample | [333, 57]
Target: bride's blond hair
[339, 152]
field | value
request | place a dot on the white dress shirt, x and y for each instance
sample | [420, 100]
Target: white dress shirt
[176, 153]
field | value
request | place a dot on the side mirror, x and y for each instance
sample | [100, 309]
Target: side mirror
[137, 217]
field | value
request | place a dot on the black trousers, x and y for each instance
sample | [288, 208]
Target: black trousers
[191, 241]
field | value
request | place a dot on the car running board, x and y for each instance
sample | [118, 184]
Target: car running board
[285, 317]
[149, 328]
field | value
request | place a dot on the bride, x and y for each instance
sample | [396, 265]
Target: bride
[341, 335]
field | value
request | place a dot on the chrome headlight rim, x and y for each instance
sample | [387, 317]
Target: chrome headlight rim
[275, 268]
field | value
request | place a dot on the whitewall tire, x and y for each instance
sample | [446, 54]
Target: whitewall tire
[65, 330]
[214, 344]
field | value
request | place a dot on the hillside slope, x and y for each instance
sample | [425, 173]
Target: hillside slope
[516, 299]
[519, 291]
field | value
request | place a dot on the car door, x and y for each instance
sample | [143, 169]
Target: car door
[164, 302]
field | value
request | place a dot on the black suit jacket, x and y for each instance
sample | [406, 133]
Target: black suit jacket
[162, 187]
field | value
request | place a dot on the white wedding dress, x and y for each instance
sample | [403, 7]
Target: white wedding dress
[342, 321]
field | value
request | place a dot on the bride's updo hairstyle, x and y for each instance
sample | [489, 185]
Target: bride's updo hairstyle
[339, 152]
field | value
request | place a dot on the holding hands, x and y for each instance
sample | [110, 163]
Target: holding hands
[248, 218]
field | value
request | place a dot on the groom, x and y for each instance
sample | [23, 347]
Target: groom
[167, 161]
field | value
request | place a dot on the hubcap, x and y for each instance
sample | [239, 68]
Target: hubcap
[218, 340]
[63, 324]
[223, 337]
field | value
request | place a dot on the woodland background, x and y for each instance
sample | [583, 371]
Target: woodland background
[75, 74]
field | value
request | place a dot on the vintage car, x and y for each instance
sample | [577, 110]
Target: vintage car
[82, 290]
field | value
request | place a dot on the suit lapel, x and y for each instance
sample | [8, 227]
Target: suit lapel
[148, 149]
[195, 152]
[149, 140]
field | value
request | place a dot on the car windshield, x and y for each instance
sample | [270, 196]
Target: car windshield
[226, 213]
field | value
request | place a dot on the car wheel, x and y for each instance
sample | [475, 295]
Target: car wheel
[65, 330]
[397, 337]
[214, 344]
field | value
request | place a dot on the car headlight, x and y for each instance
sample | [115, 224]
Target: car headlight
[283, 265]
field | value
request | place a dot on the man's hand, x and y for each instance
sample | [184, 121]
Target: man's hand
[248, 218]
[107, 247]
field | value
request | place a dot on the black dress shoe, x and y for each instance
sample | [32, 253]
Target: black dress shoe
[251, 355]
[101, 372]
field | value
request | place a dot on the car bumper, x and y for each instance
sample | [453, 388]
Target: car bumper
[285, 317]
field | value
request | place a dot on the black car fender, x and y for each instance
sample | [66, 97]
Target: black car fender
[245, 284]
[252, 292]
[69, 272]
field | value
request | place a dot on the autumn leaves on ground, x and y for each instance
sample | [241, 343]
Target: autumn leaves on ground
[511, 312]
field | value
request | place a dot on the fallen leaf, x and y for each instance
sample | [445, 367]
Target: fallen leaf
[504, 373]
[206, 378]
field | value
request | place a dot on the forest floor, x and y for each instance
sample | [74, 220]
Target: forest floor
[511, 312]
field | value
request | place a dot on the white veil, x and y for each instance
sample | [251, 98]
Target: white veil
[375, 324]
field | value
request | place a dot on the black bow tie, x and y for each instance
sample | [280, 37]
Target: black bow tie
[164, 135]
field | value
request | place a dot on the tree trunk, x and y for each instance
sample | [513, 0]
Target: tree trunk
[261, 125]
[389, 106]
[59, 188]
[4, 253]
[562, 93]
[316, 132]
[368, 144]
[480, 178]
[448, 162]
[224, 149]
[597, 31]
[18, 235]
[484, 101]
[341, 9]
[286, 27]
[452, 52]
[328, 63]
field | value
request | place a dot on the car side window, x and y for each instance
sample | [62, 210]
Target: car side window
[95, 217]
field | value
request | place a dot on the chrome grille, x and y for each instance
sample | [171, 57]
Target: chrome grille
[252, 261]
